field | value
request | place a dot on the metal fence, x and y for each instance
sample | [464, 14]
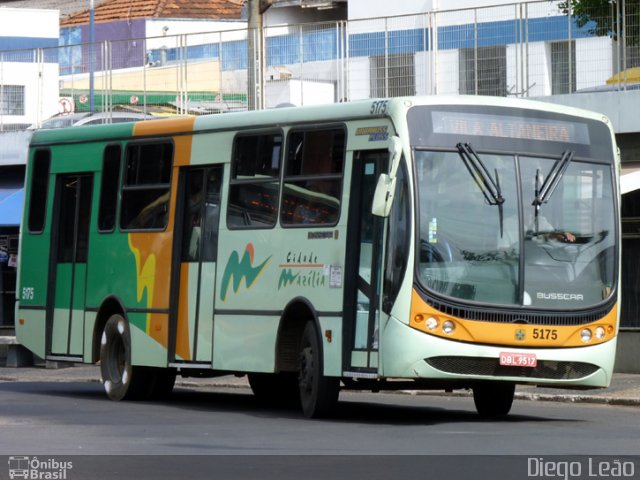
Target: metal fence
[528, 49]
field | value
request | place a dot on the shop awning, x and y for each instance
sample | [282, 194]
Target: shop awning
[11, 206]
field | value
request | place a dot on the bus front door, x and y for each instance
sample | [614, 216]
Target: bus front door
[65, 313]
[364, 240]
[191, 330]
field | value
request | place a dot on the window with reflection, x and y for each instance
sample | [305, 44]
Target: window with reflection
[313, 177]
[146, 186]
[255, 181]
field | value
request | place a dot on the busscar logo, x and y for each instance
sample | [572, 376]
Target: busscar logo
[239, 269]
[559, 296]
[38, 469]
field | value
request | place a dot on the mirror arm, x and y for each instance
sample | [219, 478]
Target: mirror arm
[386, 187]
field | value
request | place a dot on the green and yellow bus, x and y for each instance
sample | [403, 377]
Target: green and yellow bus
[406, 243]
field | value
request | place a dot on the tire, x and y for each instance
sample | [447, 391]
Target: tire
[493, 399]
[277, 389]
[318, 394]
[121, 380]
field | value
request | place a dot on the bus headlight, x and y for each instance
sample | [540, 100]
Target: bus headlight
[600, 333]
[432, 323]
[448, 327]
[585, 335]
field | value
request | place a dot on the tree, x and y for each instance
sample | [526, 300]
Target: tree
[604, 17]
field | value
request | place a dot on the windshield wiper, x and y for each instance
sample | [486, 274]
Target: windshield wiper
[489, 187]
[543, 193]
[553, 178]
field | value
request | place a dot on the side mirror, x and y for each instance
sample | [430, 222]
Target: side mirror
[386, 187]
[383, 196]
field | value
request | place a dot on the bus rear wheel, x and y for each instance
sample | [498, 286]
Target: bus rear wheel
[493, 399]
[122, 380]
[318, 394]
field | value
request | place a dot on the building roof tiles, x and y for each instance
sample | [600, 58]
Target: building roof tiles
[111, 10]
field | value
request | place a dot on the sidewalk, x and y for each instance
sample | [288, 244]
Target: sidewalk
[624, 390]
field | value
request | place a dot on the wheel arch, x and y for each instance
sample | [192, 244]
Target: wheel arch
[110, 306]
[294, 318]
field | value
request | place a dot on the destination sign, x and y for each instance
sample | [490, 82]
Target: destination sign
[509, 126]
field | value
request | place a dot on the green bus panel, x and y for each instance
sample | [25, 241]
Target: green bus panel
[82, 134]
[112, 270]
[34, 266]
[85, 157]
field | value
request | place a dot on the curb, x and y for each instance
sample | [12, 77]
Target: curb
[545, 397]
[534, 397]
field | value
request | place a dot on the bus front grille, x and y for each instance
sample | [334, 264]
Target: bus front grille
[558, 318]
[490, 367]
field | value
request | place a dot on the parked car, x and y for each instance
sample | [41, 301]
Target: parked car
[87, 118]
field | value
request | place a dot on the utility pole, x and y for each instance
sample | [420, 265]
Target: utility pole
[253, 45]
[255, 52]
[91, 66]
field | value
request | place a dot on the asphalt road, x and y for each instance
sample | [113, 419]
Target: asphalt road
[58, 420]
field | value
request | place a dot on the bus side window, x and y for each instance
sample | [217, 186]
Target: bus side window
[313, 177]
[39, 190]
[146, 186]
[211, 216]
[109, 188]
[255, 181]
[201, 215]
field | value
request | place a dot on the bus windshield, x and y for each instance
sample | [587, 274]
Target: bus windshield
[554, 253]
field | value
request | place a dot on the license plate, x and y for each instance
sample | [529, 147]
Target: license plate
[512, 359]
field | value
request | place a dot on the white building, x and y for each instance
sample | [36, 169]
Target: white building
[28, 65]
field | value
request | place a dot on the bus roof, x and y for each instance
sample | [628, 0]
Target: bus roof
[273, 118]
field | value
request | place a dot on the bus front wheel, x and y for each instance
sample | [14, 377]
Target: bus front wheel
[122, 381]
[493, 399]
[318, 394]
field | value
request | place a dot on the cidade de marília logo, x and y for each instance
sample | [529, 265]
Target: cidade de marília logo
[38, 469]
